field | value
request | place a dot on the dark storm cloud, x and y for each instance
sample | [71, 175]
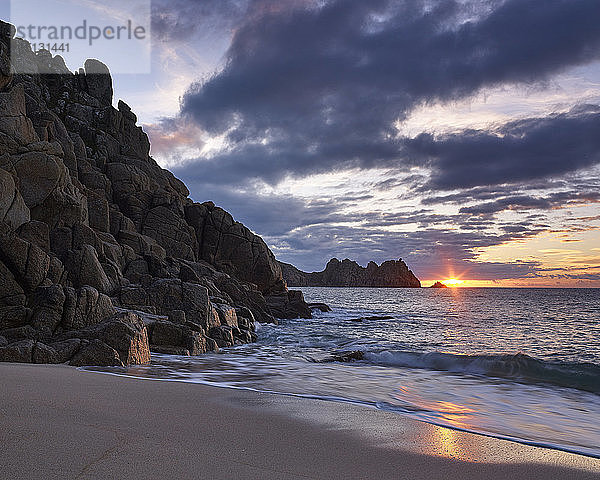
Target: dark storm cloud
[525, 202]
[515, 228]
[324, 85]
[525, 196]
[466, 195]
[479, 194]
[388, 184]
[517, 152]
[179, 20]
[317, 88]
[510, 203]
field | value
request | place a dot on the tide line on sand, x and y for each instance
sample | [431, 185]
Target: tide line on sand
[58, 422]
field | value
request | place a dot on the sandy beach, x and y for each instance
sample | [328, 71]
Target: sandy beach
[59, 422]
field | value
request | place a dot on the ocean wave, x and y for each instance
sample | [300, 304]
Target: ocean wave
[520, 367]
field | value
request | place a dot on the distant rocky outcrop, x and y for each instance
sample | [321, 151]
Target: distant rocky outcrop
[439, 285]
[103, 257]
[347, 273]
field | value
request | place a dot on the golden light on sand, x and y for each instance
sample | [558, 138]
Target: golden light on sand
[453, 282]
[449, 443]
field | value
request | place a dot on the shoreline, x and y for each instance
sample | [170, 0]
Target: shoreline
[60, 422]
[358, 403]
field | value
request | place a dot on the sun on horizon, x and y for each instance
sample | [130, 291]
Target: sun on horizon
[453, 282]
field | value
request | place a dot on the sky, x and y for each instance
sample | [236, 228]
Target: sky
[461, 136]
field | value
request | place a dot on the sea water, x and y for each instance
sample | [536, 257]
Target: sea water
[519, 364]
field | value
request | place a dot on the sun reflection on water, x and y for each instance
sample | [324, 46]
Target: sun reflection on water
[455, 415]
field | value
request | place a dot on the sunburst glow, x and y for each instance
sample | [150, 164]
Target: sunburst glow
[453, 282]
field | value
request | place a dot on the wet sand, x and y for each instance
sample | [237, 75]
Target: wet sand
[59, 422]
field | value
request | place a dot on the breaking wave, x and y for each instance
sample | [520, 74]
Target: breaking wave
[517, 367]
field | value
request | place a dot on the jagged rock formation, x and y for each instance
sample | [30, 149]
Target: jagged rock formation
[393, 273]
[102, 253]
[439, 285]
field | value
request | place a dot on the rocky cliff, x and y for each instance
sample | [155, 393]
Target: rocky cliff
[103, 257]
[393, 273]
